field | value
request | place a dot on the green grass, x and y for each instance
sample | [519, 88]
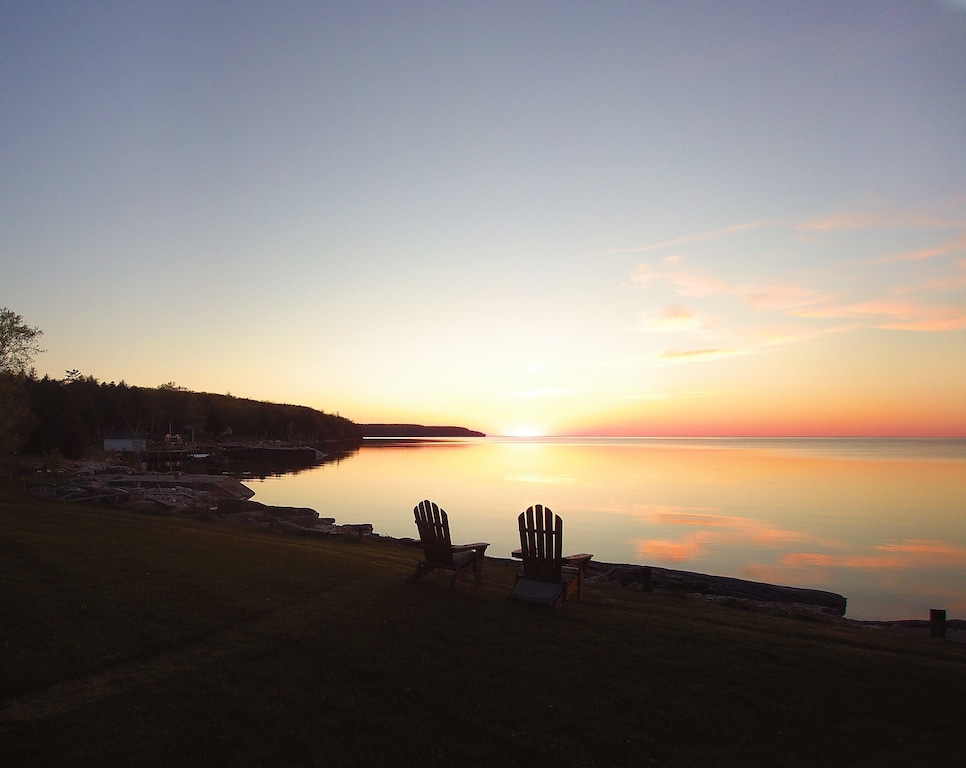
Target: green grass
[131, 639]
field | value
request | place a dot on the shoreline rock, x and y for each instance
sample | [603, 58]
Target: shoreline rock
[173, 492]
[654, 578]
[301, 521]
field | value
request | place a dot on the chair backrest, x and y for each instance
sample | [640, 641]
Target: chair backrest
[541, 543]
[433, 526]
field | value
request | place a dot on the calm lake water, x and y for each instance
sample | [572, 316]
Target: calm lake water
[881, 521]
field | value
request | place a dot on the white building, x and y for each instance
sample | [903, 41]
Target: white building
[125, 442]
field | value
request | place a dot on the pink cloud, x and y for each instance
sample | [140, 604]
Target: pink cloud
[842, 221]
[850, 220]
[672, 319]
[692, 282]
[669, 551]
[905, 555]
[946, 249]
[644, 274]
[896, 315]
[695, 283]
[862, 309]
[935, 551]
[710, 534]
[783, 296]
[933, 325]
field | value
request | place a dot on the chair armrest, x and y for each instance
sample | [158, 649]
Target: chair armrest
[580, 560]
[480, 546]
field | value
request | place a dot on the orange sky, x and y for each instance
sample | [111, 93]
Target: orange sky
[653, 219]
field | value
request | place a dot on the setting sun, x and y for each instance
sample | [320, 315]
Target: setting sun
[525, 430]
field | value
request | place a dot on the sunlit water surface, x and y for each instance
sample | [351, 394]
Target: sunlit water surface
[882, 522]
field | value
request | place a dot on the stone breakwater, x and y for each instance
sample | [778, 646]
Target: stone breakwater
[654, 579]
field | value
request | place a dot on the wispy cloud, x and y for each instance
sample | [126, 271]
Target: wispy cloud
[722, 317]
[692, 282]
[895, 315]
[935, 325]
[670, 551]
[904, 555]
[686, 282]
[673, 318]
[704, 533]
[703, 354]
[782, 296]
[842, 221]
[950, 248]
[852, 220]
[890, 310]
[695, 238]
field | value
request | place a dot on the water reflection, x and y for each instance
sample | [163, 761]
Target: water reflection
[880, 521]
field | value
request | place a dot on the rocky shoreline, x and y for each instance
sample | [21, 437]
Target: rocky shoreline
[230, 499]
[655, 579]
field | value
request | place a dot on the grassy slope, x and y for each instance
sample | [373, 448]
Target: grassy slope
[134, 639]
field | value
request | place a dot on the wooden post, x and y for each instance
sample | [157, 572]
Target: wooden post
[937, 622]
[647, 579]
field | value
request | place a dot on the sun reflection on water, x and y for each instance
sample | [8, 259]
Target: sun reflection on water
[880, 523]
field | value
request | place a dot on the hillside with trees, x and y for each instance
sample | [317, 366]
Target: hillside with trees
[76, 413]
[73, 415]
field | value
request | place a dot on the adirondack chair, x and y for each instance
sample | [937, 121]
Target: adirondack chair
[439, 553]
[546, 577]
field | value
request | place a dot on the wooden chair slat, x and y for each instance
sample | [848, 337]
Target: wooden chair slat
[541, 545]
[438, 550]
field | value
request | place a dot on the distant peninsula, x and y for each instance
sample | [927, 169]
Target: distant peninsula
[416, 430]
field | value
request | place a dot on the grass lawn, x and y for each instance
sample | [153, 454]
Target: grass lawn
[130, 639]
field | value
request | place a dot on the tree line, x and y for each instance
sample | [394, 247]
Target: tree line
[74, 414]
[77, 413]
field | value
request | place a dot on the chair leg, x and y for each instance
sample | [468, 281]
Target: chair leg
[421, 570]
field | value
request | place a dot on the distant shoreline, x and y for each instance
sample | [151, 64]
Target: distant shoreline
[416, 430]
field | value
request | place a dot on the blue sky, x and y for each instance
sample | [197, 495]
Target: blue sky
[638, 218]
